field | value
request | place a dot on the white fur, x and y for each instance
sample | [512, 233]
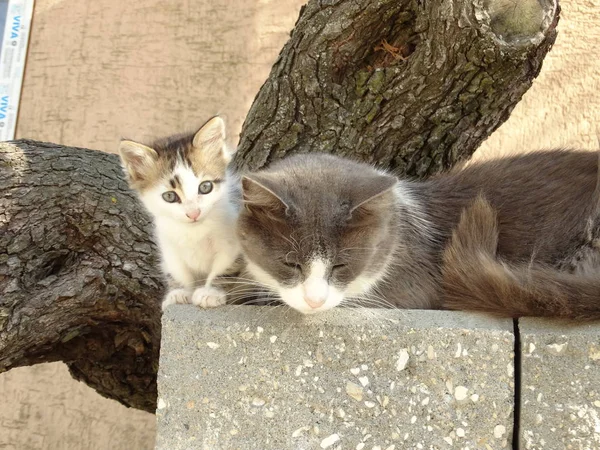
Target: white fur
[362, 284]
[194, 250]
[208, 297]
[175, 296]
[315, 288]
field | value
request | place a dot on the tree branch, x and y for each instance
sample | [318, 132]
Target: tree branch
[78, 275]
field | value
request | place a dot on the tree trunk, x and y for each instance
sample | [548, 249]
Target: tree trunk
[410, 85]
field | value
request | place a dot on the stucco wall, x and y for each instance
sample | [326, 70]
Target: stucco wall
[105, 69]
[44, 408]
[562, 108]
[101, 70]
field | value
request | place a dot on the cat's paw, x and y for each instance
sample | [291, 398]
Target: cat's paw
[209, 297]
[176, 296]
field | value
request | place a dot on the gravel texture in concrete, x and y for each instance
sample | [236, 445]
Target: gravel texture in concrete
[268, 378]
[560, 385]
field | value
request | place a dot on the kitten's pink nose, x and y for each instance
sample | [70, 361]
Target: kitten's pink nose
[193, 214]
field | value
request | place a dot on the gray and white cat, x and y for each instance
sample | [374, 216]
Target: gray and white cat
[514, 236]
[184, 182]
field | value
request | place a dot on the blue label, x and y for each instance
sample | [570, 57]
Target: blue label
[16, 27]
[3, 106]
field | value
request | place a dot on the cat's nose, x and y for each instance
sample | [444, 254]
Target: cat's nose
[315, 302]
[193, 214]
[315, 293]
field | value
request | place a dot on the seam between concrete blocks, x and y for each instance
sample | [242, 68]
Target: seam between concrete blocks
[517, 381]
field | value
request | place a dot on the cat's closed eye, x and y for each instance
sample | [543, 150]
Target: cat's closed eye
[292, 265]
[171, 197]
[205, 187]
[337, 267]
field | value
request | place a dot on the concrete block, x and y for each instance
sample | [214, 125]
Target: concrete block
[560, 385]
[244, 377]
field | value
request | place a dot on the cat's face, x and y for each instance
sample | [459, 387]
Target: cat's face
[179, 178]
[315, 229]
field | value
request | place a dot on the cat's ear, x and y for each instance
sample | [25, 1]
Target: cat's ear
[374, 197]
[210, 139]
[138, 159]
[260, 198]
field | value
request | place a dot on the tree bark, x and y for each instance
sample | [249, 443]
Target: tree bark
[78, 274]
[409, 85]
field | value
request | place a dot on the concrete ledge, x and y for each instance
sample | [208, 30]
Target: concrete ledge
[267, 378]
[560, 385]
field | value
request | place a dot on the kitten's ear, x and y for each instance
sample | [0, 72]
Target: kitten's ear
[137, 159]
[210, 139]
[260, 198]
[375, 196]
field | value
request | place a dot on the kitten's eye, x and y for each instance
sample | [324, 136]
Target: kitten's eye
[205, 187]
[170, 197]
[293, 266]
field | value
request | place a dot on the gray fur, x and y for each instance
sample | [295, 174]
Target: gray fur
[545, 204]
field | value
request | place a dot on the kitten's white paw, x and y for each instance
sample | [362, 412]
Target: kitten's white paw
[208, 297]
[176, 296]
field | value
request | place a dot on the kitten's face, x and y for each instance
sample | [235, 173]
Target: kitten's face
[315, 229]
[180, 178]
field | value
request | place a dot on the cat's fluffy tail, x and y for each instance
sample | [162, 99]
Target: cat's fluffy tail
[475, 279]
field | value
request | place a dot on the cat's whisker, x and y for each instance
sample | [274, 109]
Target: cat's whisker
[246, 294]
[373, 301]
[346, 249]
[290, 240]
[238, 280]
[256, 301]
[371, 309]
[239, 297]
[253, 295]
[266, 310]
[241, 280]
[303, 238]
[243, 286]
[372, 314]
[234, 294]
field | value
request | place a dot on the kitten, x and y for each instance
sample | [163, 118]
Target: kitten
[184, 183]
[321, 231]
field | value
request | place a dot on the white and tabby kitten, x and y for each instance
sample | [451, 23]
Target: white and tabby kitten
[184, 182]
